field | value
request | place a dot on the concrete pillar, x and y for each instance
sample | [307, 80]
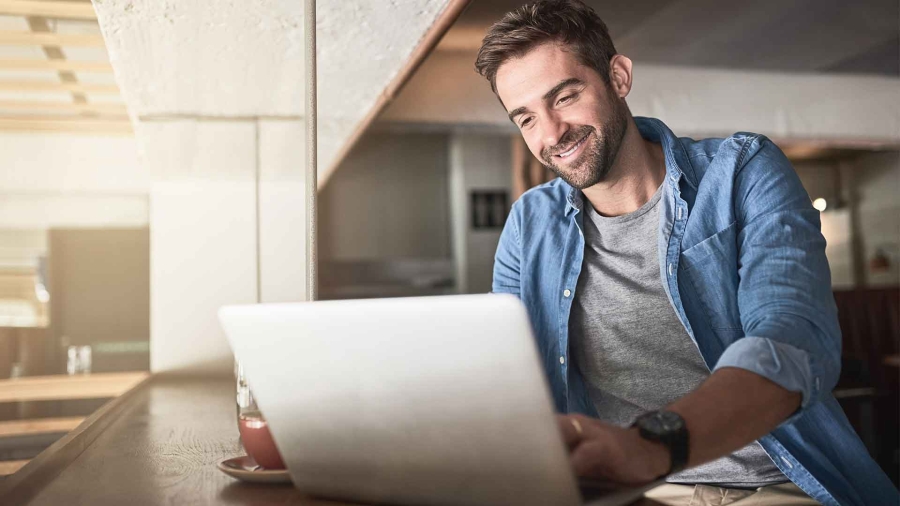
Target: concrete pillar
[215, 90]
[203, 236]
[227, 220]
[282, 211]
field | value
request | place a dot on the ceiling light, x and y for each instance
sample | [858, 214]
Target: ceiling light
[820, 204]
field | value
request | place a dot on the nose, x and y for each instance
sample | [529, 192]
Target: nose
[552, 130]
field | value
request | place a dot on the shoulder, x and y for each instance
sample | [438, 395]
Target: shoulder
[735, 154]
[542, 199]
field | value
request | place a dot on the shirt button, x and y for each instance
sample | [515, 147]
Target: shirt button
[567, 293]
[562, 360]
[671, 269]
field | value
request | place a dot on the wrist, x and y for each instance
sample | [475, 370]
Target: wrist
[666, 429]
[657, 457]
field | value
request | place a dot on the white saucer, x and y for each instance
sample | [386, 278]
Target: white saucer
[245, 468]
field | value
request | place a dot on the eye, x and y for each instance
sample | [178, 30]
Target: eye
[525, 122]
[565, 99]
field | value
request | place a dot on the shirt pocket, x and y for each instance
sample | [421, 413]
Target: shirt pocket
[711, 269]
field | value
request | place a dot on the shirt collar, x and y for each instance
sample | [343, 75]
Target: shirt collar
[678, 163]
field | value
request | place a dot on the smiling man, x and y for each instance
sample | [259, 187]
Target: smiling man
[678, 289]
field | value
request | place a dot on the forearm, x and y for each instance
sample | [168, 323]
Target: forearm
[730, 409]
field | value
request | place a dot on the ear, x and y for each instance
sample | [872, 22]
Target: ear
[620, 75]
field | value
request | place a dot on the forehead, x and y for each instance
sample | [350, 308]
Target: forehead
[526, 78]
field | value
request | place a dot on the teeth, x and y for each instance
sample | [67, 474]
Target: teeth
[571, 150]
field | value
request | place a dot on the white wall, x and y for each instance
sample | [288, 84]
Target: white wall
[22, 248]
[73, 210]
[388, 200]
[477, 162]
[57, 180]
[60, 180]
[282, 211]
[32, 163]
[695, 102]
[875, 180]
[202, 256]
[878, 189]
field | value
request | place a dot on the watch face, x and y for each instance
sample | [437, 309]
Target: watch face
[662, 422]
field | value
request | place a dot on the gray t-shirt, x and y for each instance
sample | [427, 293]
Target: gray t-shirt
[629, 345]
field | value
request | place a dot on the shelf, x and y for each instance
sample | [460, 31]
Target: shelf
[86, 386]
[11, 466]
[39, 426]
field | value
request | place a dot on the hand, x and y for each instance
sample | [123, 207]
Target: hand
[605, 452]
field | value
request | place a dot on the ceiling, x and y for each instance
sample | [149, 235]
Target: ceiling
[860, 37]
[55, 74]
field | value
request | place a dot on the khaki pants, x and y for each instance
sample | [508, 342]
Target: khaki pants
[784, 494]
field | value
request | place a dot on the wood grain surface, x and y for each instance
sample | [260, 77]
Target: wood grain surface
[156, 445]
[161, 448]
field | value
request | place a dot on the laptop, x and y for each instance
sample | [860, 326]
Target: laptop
[427, 400]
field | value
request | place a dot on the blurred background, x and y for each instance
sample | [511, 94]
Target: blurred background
[151, 170]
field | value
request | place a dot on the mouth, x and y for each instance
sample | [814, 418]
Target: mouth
[573, 150]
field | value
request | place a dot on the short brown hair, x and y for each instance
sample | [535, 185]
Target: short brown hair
[569, 22]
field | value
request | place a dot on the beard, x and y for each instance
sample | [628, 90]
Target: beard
[596, 160]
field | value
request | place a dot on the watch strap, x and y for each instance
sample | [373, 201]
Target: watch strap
[677, 441]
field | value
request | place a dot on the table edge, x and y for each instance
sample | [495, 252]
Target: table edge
[19, 488]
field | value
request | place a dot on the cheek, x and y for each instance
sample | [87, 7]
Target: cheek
[533, 141]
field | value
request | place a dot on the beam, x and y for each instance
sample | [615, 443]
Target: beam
[21, 38]
[106, 89]
[56, 65]
[62, 387]
[428, 42]
[46, 105]
[48, 9]
[40, 25]
[30, 124]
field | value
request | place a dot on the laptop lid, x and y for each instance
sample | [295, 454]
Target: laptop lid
[430, 400]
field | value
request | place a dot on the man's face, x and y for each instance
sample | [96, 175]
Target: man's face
[570, 118]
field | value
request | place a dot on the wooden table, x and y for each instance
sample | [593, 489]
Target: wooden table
[157, 444]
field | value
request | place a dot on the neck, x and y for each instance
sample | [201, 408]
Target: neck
[637, 172]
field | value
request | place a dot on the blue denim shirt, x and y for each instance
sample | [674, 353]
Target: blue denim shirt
[742, 260]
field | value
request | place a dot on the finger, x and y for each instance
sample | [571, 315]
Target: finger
[588, 459]
[572, 430]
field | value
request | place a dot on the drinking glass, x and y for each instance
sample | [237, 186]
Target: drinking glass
[254, 429]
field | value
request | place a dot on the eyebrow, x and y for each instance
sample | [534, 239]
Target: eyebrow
[547, 96]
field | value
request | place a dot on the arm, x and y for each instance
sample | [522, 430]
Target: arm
[791, 353]
[719, 423]
[507, 258]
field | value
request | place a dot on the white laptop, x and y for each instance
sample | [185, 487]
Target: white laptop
[427, 401]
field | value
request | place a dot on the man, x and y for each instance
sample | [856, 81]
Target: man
[678, 289]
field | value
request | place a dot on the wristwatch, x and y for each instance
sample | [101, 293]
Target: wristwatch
[669, 429]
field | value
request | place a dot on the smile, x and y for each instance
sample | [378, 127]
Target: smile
[571, 151]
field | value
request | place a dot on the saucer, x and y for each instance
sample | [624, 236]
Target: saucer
[245, 468]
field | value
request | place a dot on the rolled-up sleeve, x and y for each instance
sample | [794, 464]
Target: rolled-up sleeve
[786, 304]
[508, 257]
